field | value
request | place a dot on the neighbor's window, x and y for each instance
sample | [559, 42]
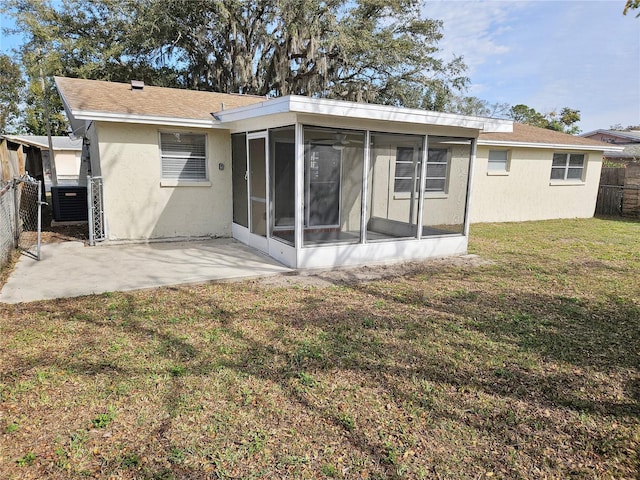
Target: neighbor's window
[184, 156]
[498, 161]
[567, 166]
[408, 170]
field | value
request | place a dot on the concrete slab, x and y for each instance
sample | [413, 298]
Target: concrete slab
[71, 269]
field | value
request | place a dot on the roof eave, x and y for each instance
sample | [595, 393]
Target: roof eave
[340, 108]
[555, 146]
[43, 146]
[147, 119]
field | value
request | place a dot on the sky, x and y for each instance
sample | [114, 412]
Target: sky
[547, 54]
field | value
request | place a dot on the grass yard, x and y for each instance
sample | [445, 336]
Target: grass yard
[523, 367]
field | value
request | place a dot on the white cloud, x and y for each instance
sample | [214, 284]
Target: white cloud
[473, 29]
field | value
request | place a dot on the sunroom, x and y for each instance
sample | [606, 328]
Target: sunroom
[323, 183]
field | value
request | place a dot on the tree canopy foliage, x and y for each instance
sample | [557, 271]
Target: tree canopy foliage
[360, 50]
[631, 5]
[11, 84]
[564, 121]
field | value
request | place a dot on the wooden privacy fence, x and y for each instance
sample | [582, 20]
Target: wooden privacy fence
[619, 192]
[12, 160]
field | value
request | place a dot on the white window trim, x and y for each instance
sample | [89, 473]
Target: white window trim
[565, 180]
[499, 173]
[174, 182]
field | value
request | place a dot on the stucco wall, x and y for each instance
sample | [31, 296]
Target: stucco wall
[138, 207]
[527, 193]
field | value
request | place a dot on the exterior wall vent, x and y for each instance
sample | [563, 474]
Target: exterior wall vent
[137, 84]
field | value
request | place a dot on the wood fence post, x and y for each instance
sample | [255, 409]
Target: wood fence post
[5, 170]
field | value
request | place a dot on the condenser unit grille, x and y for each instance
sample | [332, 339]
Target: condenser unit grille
[69, 203]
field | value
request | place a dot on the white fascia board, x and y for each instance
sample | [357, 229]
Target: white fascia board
[340, 108]
[146, 119]
[554, 146]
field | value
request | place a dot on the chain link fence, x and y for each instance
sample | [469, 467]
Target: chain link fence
[28, 231]
[7, 222]
[20, 217]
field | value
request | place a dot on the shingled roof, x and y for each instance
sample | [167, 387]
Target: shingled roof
[529, 135]
[121, 99]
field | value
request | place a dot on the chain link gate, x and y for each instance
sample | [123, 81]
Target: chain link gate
[97, 230]
[28, 217]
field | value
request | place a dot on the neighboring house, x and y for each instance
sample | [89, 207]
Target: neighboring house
[316, 182]
[67, 153]
[629, 140]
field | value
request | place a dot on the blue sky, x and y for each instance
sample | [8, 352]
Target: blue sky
[547, 54]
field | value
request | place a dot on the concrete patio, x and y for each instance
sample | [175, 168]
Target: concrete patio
[71, 269]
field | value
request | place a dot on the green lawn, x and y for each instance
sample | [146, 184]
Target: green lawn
[523, 367]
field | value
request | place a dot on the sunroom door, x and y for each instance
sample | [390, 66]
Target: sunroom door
[258, 192]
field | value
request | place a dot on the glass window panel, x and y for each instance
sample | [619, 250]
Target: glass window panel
[435, 185]
[405, 170]
[576, 160]
[559, 159]
[574, 173]
[437, 170]
[437, 155]
[498, 160]
[402, 184]
[557, 174]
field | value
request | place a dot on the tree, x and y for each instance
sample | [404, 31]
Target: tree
[565, 121]
[631, 5]
[364, 50]
[11, 85]
[620, 128]
[477, 106]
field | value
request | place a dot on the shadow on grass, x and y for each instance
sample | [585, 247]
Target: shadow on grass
[388, 336]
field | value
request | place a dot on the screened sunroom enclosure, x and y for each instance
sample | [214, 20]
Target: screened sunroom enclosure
[319, 196]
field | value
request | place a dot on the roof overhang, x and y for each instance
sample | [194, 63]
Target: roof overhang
[41, 145]
[554, 146]
[83, 115]
[365, 111]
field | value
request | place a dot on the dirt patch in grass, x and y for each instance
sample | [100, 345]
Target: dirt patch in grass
[523, 367]
[368, 273]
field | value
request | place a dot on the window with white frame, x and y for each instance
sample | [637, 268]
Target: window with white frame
[498, 161]
[437, 163]
[183, 156]
[408, 170]
[567, 166]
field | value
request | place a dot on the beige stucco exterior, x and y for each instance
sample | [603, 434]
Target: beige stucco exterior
[526, 192]
[139, 206]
